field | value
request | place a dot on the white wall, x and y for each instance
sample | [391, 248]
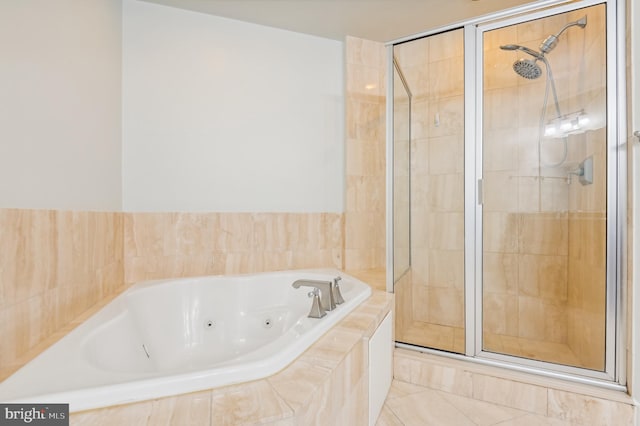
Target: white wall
[222, 115]
[60, 74]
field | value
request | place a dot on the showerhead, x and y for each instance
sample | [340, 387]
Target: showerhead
[527, 68]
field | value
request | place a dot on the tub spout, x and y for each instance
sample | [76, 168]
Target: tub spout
[326, 291]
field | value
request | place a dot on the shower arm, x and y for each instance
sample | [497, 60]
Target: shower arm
[580, 23]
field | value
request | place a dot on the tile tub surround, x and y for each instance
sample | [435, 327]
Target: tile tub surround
[554, 399]
[327, 384]
[176, 245]
[54, 265]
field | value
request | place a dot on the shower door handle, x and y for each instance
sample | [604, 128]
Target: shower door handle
[480, 192]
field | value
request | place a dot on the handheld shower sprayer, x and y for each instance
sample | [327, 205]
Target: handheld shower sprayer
[525, 49]
[530, 69]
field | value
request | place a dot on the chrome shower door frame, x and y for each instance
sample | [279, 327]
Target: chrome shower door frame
[614, 370]
[614, 374]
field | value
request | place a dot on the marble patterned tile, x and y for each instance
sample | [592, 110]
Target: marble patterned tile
[450, 112]
[298, 384]
[133, 414]
[509, 393]
[247, 403]
[500, 314]
[359, 226]
[427, 408]
[480, 412]
[401, 389]
[53, 266]
[446, 155]
[432, 375]
[446, 306]
[533, 420]
[364, 118]
[501, 232]
[388, 418]
[432, 335]
[446, 77]
[500, 273]
[543, 233]
[365, 169]
[192, 409]
[498, 68]
[366, 193]
[364, 52]
[321, 407]
[365, 319]
[565, 409]
[446, 45]
[355, 410]
[330, 349]
[165, 245]
[581, 409]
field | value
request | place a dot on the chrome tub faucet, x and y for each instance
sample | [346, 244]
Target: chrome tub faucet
[326, 291]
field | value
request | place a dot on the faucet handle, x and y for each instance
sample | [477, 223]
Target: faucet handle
[337, 296]
[317, 311]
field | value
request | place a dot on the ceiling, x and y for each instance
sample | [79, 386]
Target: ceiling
[379, 20]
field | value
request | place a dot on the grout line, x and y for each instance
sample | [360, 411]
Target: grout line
[392, 413]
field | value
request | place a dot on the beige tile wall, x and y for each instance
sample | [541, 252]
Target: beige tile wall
[404, 313]
[401, 177]
[53, 266]
[365, 154]
[166, 245]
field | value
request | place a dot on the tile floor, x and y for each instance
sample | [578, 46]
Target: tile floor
[410, 405]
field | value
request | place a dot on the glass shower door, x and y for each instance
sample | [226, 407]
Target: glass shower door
[430, 298]
[544, 180]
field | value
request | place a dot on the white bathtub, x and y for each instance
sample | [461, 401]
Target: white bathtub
[168, 337]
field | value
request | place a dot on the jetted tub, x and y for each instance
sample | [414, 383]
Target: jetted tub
[168, 337]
